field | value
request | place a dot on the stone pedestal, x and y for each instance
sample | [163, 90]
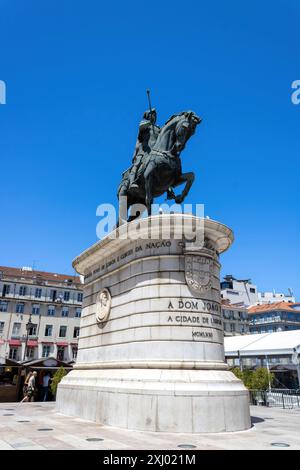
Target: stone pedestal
[151, 353]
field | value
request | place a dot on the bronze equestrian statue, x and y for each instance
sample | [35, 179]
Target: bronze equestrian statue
[156, 165]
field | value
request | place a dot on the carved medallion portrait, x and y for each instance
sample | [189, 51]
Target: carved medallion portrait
[103, 304]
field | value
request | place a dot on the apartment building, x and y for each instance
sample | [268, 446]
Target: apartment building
[274, 317]
[235, 319]
[39, 314]
[244, 291]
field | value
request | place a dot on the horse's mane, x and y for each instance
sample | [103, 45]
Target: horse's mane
[184, 113]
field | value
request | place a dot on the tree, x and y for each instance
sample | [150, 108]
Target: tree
[59, 374]
[261, 379]
[258, 379]
[245, 376]
[238, 373]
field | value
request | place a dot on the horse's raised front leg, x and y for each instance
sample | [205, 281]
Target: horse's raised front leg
[188, 179]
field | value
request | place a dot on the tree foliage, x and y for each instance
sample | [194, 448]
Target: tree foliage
[257, 379]
[59, 374]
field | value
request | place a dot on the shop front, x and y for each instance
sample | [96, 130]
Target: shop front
[44, 367]
[10, 380]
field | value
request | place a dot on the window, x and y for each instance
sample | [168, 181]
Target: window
[66, 296]
[226, 314]
[5, 290]
[13, 353]
[76, 332]
[51, 310]
[22, 290]
[32, 330]
[53, 294]
[35, 309]
[252, 290]
[232, 327]
[78, 312]
[46, 350]
[48, 330]
[226, 285]
[1, 327]
[79, 296]
[30, 353]
[65, 312]
[20, 308]
[16, 329]
[38, 293]
[60, 353]
[74, 352]
[244, 315]
[62, 331]
[3, 306]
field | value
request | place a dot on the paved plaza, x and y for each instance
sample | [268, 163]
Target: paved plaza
[39, 426]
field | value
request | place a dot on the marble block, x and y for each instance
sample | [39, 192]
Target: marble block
[151, 346]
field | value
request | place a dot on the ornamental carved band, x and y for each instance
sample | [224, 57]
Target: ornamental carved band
[198, 272]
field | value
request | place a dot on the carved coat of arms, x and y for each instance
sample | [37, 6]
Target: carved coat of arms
[198, 272]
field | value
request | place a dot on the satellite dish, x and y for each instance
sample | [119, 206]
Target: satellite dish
[295, 358]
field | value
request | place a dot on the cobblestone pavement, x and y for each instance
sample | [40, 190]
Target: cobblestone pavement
[39, 426]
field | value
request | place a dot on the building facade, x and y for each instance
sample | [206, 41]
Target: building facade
[244, 291]
[269, 318]
[273, 297]
[235, 319]
[279, 352]
[39, 314]
[240, 291]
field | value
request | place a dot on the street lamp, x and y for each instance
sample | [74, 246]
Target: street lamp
[240, 361]
[29, 325]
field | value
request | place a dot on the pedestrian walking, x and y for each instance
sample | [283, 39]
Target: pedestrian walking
[30, 388]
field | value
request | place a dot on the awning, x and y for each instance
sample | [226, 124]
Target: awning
[47, 342]
[14, 342]
[2, 341]
[62, 343]
[31, 343]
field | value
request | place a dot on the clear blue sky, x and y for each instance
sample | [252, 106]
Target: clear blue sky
[76, 75]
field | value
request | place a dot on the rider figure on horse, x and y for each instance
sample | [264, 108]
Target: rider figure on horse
[147, 136]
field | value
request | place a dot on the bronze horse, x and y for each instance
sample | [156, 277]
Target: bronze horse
[161, 170]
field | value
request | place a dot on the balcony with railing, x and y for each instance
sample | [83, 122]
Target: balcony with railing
[16, 336]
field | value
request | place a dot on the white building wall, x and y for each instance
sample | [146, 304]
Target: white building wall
[241, 292]
[247, 293]
[273, 297]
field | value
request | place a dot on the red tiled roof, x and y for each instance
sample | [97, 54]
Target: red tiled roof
[41, 275]
[273, 306]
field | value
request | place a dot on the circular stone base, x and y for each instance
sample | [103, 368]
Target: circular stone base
[157, 399]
